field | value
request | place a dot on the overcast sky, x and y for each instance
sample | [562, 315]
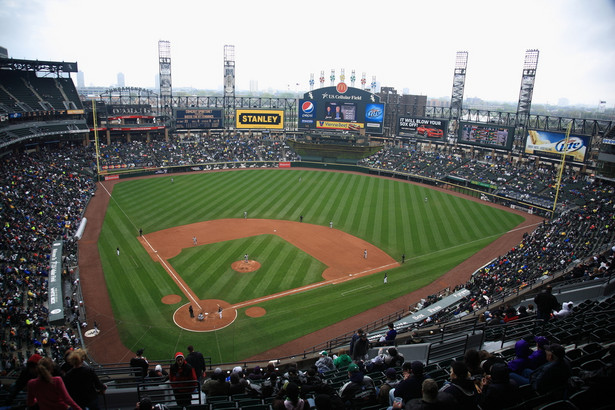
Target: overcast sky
[405, 44]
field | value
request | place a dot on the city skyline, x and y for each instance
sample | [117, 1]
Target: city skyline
[278, 44]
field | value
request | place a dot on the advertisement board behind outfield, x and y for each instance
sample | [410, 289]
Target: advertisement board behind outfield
[269, 119]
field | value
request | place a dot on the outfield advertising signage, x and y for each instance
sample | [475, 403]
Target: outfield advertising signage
[486, 135]
[269, 119]
[307, 112]
[553, 144]
[341, 108]
[419, 127]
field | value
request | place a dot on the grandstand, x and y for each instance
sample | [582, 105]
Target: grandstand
[48, 172]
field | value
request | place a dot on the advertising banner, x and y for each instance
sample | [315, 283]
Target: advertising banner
[552, 144]
[56, 301]
[307, 113]
[333, 125]
[422, 127]
[270, 119]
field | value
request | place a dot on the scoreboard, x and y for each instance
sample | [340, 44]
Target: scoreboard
[486, 135]
[341, 108]
[198, 118]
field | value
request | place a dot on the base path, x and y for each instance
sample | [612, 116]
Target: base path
[344, 255]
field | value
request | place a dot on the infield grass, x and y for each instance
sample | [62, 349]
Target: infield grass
[435, 235]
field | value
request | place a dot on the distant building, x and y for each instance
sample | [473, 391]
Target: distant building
[4, 53]
[80, 79]
[121, 82]
[398, 105]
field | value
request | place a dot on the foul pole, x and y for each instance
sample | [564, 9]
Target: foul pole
[561, 170]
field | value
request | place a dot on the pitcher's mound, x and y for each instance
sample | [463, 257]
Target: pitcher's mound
[243, 266]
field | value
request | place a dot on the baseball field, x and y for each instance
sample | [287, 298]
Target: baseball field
[282, 252]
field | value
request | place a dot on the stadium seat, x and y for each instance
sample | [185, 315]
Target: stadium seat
[559, 405]
[223, 405]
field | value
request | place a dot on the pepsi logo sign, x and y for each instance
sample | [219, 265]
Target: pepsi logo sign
[307, 107]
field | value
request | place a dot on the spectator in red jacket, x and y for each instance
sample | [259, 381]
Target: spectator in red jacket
[183, 380]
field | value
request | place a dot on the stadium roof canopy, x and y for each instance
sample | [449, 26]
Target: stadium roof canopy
[38, 66]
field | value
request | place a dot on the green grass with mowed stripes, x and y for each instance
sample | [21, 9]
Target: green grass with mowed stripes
[435, 235]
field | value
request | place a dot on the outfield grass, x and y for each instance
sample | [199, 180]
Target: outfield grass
[435, 236]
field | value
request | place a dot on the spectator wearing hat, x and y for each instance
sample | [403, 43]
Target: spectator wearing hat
[140, 364]
[48, 391]
[27, 373]
[393, 358]
[359, 391]
[217, 384]
[257, 373]
[183, 380]
[158, 374]
[550, 376]
[499, 390]
[361, 347]
[391, 381]
[324, 362]
[410, 387]
[430, 399]
[461, 388]
[82, 382]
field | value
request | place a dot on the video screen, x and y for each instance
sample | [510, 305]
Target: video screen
[340, 111]
[486, 135]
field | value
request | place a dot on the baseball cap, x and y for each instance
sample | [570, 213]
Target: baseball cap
[35, 358]
[390, 373]
[218, 370]
[324, 353]
[178, 354]
[417, 367]
[158, 368]
[557, 350]
[237, 369]
[541, 341]
[353, 367]
[140, 352]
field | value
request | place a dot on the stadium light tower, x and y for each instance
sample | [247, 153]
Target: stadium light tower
[459, 82]
[229, 83]
[166, 91]
[525, 94]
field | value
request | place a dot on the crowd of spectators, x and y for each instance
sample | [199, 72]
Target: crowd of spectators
[531, 183]
[194, 151]
[42, 199]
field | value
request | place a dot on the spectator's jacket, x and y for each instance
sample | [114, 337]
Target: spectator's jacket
[182, 374]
